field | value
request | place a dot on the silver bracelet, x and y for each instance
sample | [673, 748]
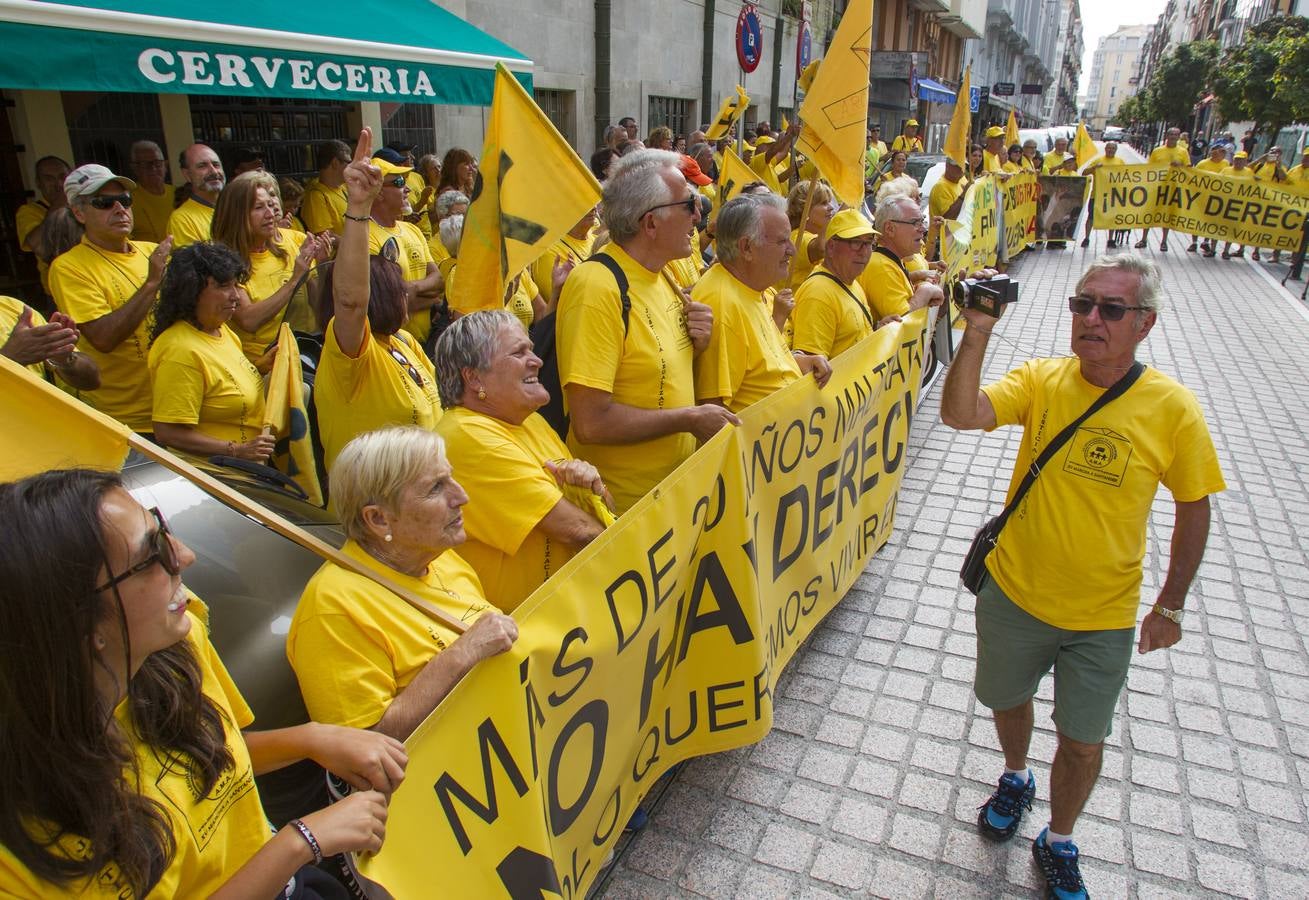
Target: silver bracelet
[309, 839]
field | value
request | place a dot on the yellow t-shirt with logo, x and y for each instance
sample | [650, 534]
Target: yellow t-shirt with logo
[206, 381]
[323, 208]
[1213, 166]
[191, 223]
[215, 835]
[374, 389]
[1163, 155]
[150, 214]
[268, 274]
[414, 257]
[355, 646]
[11, 309]
[520, 300]
[569, 248]
[1098, 489]
[886, 286]
[828, 320]
[89, 282]
[747, 359]
[501, 466]
[649, 368]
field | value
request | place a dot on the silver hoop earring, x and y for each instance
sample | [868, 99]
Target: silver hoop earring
[387, 538]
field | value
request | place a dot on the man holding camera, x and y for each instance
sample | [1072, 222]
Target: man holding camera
[1063, 580]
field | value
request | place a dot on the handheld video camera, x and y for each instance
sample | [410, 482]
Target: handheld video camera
[987, 295]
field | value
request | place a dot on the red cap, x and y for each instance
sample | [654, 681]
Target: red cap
[691, 170]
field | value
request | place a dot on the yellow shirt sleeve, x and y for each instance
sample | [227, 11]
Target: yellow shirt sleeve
[886, 287]
[27, 220]
[323, 208]
[190, 223]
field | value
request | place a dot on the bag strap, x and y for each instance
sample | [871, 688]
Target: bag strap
[1117, 390]
[863, 307]
[620, 276]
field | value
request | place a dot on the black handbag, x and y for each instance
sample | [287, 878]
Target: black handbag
[973, 571]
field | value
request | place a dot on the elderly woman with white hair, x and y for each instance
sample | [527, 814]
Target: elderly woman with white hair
[364, 656]
[531, 506]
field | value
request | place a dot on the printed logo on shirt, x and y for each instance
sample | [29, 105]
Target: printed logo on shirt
[1098, 454]
[205, 814]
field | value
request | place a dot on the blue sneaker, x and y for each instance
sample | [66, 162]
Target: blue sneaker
[999, 817]
[1058, 863]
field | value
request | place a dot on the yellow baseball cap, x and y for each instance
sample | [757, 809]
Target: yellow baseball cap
[995, 131]
[1240, 154]
[911, 122]
[849, 224]
[763, 139]
[390, 168]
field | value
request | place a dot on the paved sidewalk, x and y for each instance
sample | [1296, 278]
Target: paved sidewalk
[870, 780]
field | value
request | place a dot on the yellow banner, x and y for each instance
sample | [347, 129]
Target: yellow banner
[1020, 196]
[835, 107]
[662, 640]
[973, 240]
[1257, 213]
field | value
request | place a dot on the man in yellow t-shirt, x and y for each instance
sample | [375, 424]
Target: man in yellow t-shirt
[1055, 158]
[1109, 158]
[747, 358]
[993, 154]
[626, 373]
[46, 348]
[1299, 173]
[901, 228]
[1215, 164]
[191, 222]
[107, 284]
[909, 142]
[1046, 602]
[324, 201]
[50, 174]
[1169, 153]
[152, 201]
[1240, 168]
[422, 280]
[946, 197]
[831, 311]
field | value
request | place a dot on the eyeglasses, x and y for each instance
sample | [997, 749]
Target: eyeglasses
[163, 551]
[405, 364]
[1110, 312]
[397, 181]
[691, 204]
[107, 201]
[920, 224]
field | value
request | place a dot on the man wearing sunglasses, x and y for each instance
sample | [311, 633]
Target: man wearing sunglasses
[107, 285]
[1063, 583]
[423, 282]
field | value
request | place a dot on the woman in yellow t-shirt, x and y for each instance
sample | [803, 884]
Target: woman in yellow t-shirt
[811, 240]
[128, 770]
[372, 373]
[279, 259]
[531, 506]
[365, 657]
[208, 398]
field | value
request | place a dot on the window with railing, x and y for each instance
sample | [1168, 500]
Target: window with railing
[675, 112]
[558, 107]
[103, 127]
[413, 123]
[284, 131]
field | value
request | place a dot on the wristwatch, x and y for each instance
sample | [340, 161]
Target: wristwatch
[1174, 615]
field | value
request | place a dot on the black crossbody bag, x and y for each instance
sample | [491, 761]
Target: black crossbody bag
[974, 568]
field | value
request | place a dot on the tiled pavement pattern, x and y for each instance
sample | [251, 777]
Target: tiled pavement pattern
[870, 780]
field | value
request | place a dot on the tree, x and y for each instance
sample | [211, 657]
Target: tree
[1253, 82]
[1179, 82]
[1129, 111]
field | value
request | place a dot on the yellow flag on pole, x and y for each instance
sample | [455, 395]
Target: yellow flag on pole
[785, 124]
[1011, 131]
[733, 175]
[46, 428]
[531, 188]
[961, 124]
[835, 108]
[1083, 147]
[286, 417]
[732, 109]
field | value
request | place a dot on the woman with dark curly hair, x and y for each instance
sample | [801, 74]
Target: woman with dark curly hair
[458, 172]
[208, 397]
[126, 769]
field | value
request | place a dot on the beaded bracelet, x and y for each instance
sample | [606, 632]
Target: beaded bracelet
[356, 218]
[309, 839]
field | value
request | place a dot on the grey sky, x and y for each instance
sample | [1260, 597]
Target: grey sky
[1103, 17]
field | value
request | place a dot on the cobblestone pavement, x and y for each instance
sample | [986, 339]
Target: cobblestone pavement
[870, 780]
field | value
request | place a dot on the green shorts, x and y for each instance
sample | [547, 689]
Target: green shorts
[1015, 650]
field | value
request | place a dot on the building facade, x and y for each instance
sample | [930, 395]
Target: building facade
[1060, 102]
[1018, 62]
[1114, 73]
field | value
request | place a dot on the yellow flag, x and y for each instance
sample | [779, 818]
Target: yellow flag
[728, 114]
[835, 108]
[1011, 131]
[785, 124]
[733, 175]
[961, 124]
[46, 428]
[1083, 147]
[287, 418]
[531, 189]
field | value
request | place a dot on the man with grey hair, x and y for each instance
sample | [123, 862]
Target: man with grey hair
[747, 359]
[152, 201]
[901, 227]
[1062, 585]
[626, 335]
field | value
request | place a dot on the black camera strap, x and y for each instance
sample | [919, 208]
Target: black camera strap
[1117, 390]
[863, 307]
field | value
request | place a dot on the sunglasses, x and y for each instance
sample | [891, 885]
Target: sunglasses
[163, 551]
[691, 204]
[1110, 312]
[107, 201]
[397, 181]
[409, 367]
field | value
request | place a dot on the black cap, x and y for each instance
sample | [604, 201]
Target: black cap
[390, 155]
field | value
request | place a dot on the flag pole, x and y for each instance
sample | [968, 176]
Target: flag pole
[277, 523]
[804, 219]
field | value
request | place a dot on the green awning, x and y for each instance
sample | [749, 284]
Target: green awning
[405, 51]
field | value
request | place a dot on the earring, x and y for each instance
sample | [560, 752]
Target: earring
[387, 538]
[481, 394]
[99, 641]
